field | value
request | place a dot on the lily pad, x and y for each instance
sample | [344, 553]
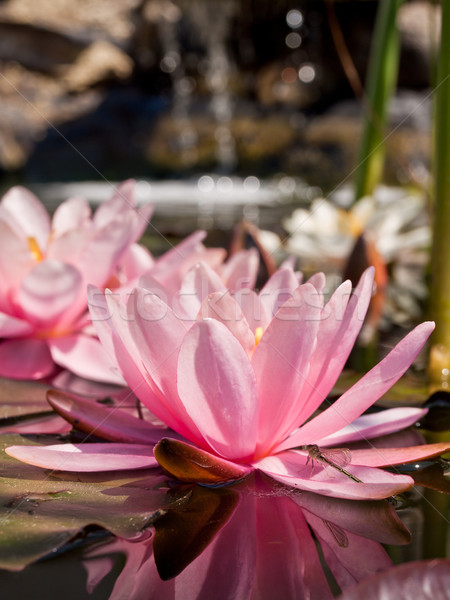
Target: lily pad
[40, 511]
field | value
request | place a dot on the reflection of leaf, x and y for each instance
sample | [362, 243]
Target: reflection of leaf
[433, 477]
[40, 511]
[186, 528]
[410, 390]
[421, 580]
[438, 416]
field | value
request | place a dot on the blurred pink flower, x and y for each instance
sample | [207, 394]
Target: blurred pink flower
[239, 399]
[45, 267]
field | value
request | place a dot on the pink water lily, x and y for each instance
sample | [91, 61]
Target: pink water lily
[239, 402]
[45, 266]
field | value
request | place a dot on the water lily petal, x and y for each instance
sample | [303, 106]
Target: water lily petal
[199, 282]
[104, 249]
[13, 327]
[112, 325]
[296, 555]
[86, 457]
[292, 469]
[85, 356]
[281, 363]
[136, 260]
[253, 309]
[121, 202]
[69, 246]
[222, 307]
[16, 260]
[191, 464]
[171, 260]
[278, 290]
[70, 215]
[361, 557]
[372, 520]
[29, 214]
[157, 334]
[111, 424]
[364, 393]
[122, 205]
[429, 578]
[217, 386]
[52, 294]
[384, 457]
[318, 280]
[25, 359]
[42, 424]
[241, 270]
[341, 321]
[374, 425]
[142, 219]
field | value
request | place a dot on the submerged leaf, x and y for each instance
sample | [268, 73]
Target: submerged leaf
[186, 529]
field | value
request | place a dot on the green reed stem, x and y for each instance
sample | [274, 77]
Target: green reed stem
[380, 85]
[440, 259]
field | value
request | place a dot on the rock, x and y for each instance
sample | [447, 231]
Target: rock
[145, 86]
[98, 63]
[419, 26]
[88, 18]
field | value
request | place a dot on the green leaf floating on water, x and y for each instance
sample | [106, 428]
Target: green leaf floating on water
[40, 511]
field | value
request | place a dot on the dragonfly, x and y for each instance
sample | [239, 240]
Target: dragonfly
[337, 532]
[332, 457]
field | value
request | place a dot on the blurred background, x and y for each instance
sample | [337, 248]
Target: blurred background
[224, 110]
[157, 89]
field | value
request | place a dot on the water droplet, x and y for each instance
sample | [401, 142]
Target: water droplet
[169, 62]
[251, 184]
[225, 184]
[205, 183]
[293, 40]
[307, 73]
[294, 18]
[289, 75]
[286, 185]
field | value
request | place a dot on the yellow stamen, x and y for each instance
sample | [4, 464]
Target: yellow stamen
[258, 335]
[34, 249]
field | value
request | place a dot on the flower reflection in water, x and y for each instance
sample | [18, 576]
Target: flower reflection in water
[258, 539]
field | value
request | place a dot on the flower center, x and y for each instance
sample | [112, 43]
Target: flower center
[34, 249]
[258, 335]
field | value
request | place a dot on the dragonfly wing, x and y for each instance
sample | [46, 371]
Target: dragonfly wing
[337, 456]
